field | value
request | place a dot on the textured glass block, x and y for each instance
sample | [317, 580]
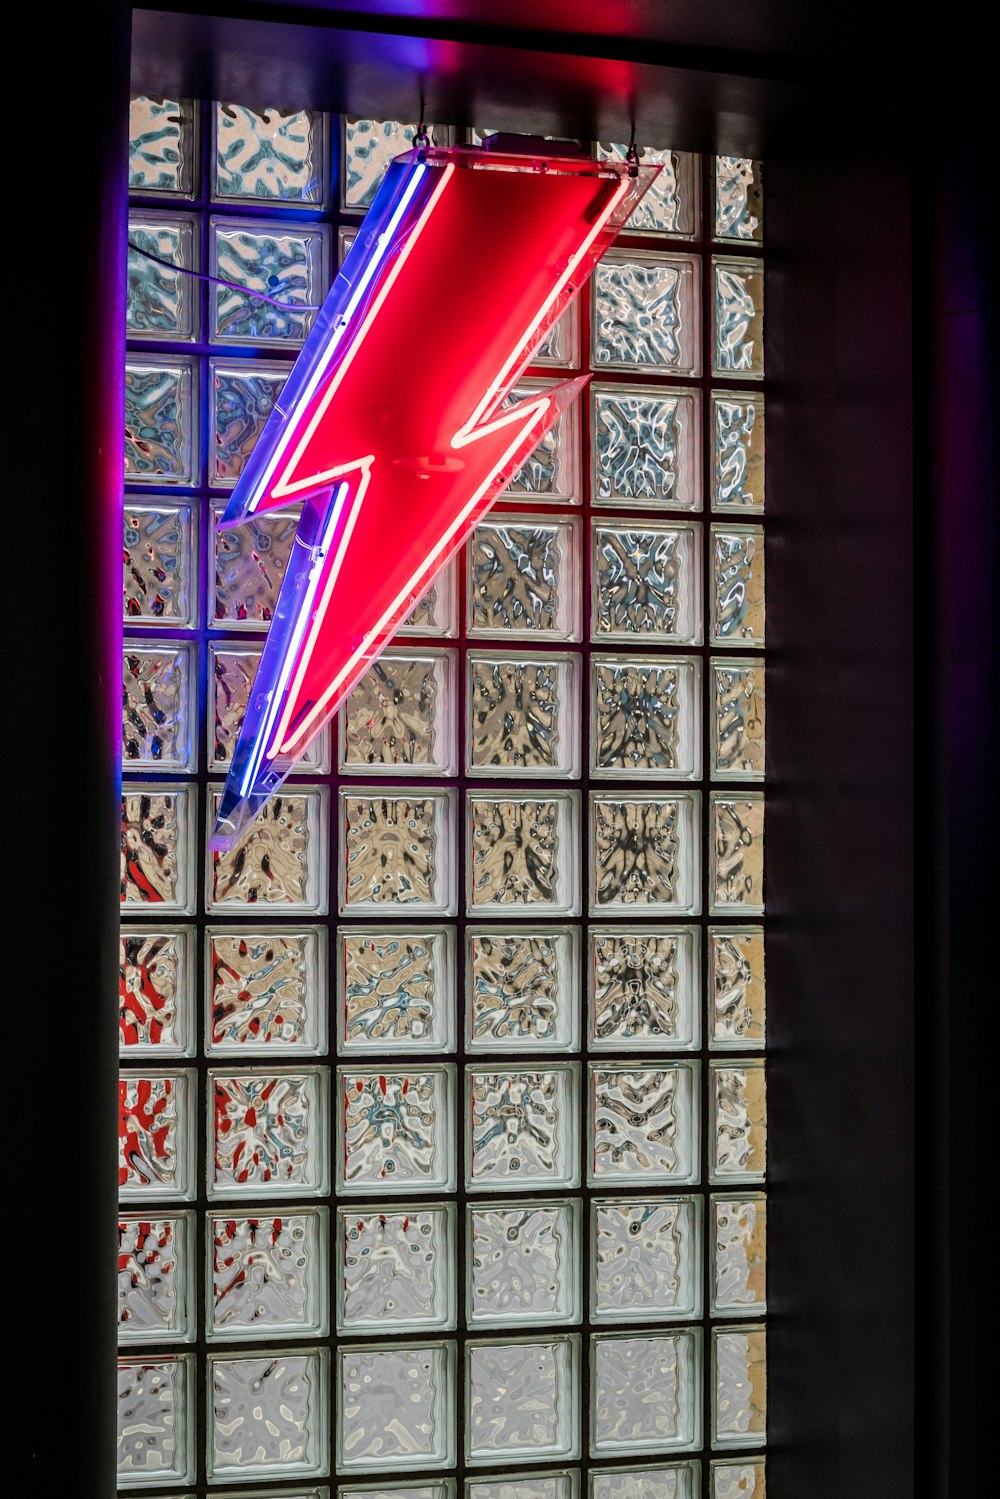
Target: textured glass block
[737, 853]
[646, 1392]
[737, 451]
[269, 1133]
[646, 582]
[523, 714]
[241, 395]
[523, 578]
[643, 988]
[161, 422]
[267, 1414]
[524, 1260]
[436, 614]
[521, 1128]
[522, 989]
[646, 446]
[645, 853]
[738, 719]
[161, 302]
[281, 861]
[395, 1269]
[739, 1380]
[155, 992]
[525, 1486]
[551, 473]
[231, 671]
[443, 1488]
[738, 1254]
[396, 990]
[159, 706]
[161, 146]
[672, 1481]
[368, 148]
[736, 994]
[522, 1400]
[156, 1279]
[268, 1275]
[646, 1259]
[155, 1421]
[250, 563]
[560, 348]
[646, 717]
[739, 199]
[737, 585]
[402, 717]
[157, 848]
[158, 572]
[739, 1478]
[644, 1123]
[156, 1135]
[269, 153]
[738, 1138]
[647, 312]
[396, 1407]
[523, 853]
[395, 1130]
[283, 262]
[266, 991]
[738, 317]
[397, 851]
[670, 205]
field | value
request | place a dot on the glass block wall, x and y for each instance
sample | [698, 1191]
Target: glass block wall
[443, 1124]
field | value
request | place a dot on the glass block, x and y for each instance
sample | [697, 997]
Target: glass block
[523, 578]
[738, 1254]
[155, 1421]
[522, 1399]
[162, 134]
[241, 395]
[644, 1123]
[646, 582]
[523, 853]
[736, 992]
[739, 199]
[436, 613]
[646, 1392]
[645, 853]
[159, 706]
[159, 573]
[157, 847]
[156, 1279]
[155, 992]
[267, 1275]
[671, 204]
[270, 154]
[672, 1481]
[524, 1264]
[525, 1486]
[396, 1407]
[397, 851]
[738, 317]
[250, 563]
[646, 446]
[646, 1259]
[269, 1133]
[523, 714]
[280, 862]
[161, 302]
[645, 717]
[552, 472]
[737, 451]
[647, 312]
[443, 1488]
[738, 1137]
[161, 421]
[738, 719]
[522, 989]
[739, 1381]
[560, 348]
[737, 853]
[267, 1414]
[643, 988]
[737, 585]
[521, 1128]
[266, 991]
[285, 262]
[369, 146]
[395, 1269]
[231, 671]
[739, 1478]
[396, 990]
[395, 1130]
[156, 1135]
[402, 717]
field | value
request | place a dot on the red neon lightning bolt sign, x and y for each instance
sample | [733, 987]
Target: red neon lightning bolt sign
[392, 428]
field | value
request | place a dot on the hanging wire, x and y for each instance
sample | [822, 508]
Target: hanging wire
[247, 291]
